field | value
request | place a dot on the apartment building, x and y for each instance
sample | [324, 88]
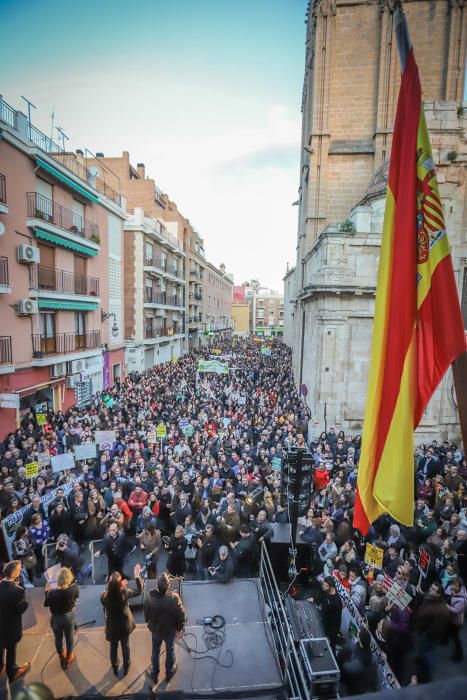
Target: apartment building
[266, 311]
[61, 290]
[218, 294]
[154, 280]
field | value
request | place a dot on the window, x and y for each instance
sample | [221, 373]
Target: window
[44, 199]
[78, 216]
[47, 323]
[260, 302]
[80, 329]
[148, 251]
[163, 260]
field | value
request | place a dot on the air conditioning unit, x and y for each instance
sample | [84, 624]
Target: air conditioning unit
[72, 380]
[28, 253]
[76, 366]
[58, 370]
[26, 307]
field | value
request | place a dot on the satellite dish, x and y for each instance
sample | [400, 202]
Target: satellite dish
[2, 228]
[94, 171]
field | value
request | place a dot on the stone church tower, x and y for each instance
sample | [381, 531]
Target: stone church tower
[351, 86]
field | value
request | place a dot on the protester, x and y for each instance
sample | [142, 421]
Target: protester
[119, 621]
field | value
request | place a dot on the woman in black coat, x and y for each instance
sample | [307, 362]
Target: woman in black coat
[119, 622]
[176, 545]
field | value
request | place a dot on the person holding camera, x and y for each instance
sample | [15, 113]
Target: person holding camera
[62, 604]
[150, 542]
[207, 550]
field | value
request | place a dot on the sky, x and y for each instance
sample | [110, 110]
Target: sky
[206, 93]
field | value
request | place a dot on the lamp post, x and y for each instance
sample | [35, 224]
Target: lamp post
[105, 315]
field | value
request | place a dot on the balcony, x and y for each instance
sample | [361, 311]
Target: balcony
[4, 277]
[61, 281]
[42, 209]
[160, 266]
[164, 332]
[6, 356]
[153, 297]
[160, 263]
[3, 204]
[63, 343]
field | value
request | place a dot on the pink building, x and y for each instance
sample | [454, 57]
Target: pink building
[61, 282]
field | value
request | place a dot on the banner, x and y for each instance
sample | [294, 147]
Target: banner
[87, 450]
[351, 623]
[213, 366]
[106, 370]
[11, 523]
[61, 462]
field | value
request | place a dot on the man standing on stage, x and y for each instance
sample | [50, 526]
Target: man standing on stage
[12, 605]
[165, 616]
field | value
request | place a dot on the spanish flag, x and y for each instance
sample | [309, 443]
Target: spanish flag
[418, 328]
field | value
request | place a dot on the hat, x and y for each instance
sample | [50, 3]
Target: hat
[146, 509]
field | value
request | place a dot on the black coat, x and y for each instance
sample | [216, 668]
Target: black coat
[119, 622]
[12, 605]
[164, 614]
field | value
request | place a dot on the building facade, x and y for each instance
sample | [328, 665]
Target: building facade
[266, 311]
[61, 292]
[218, 292]
[348, 115]
[241, 320]
[154, 280]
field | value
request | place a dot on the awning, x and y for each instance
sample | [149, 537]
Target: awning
[56, 173]
[64, 242]
[68, 305]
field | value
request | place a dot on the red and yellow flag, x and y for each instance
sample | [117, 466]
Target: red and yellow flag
[418, 327]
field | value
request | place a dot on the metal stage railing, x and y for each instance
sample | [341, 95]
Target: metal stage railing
[93, 560]
[292, 668]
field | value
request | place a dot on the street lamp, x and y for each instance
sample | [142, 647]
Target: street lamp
[110, 314]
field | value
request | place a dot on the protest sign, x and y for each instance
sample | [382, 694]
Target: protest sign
[32, 469]
[276, 463]
[213, 366]
[44, 459]
[188, 430]
[395, 594]
[105, 439]
[161, 430]
[61, 462]
[374, 555]
[152, 438]
[41, 418]
[423, 561]
[87, 450]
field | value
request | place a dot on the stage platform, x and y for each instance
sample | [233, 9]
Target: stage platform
[251, 669]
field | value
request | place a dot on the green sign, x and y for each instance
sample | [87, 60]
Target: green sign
[188, 430]
[276, 463]
[161, 431]
[213, 366]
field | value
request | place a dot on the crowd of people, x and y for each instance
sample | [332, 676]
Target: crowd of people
[208, 491]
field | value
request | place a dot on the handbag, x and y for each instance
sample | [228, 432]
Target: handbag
[30, 561]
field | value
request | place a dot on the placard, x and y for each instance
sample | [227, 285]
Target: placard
[395, 593]
[61, 462]
[44, 459]
[152, 438]
[276, 463]
[32, 469]
[161, 430]
[374, 555]
[87, 450]
[423, 561]
[105, 439]
[188, 430]
[41, 418]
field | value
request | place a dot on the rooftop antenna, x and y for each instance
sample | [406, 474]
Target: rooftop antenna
[63, 135]
[30, 104]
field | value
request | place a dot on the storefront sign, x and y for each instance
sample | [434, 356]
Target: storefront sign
[61, 462]
[32, 469]
[87, 450]
[9, 401]
[374, 556]
[350, 624]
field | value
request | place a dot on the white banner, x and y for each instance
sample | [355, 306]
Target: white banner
[351, 623]
[87, 450]
[105, 439]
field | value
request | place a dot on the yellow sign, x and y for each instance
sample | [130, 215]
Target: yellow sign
[32, 469]
[216, 351]
[374, 555]
[41, 418]
[161, 430]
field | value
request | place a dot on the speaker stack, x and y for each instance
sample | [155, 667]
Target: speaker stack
[297, 474]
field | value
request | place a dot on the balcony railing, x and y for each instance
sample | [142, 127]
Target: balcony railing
[153, 297]
[4, 278]
[5, 350]
[62, 343]
[53, 280]
[150, 333]
[2, 189]
[173, 301]
[156, 262]
[40, 207]
[194, 273]
[7, 114]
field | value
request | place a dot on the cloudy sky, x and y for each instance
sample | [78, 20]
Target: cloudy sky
[205, 92]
